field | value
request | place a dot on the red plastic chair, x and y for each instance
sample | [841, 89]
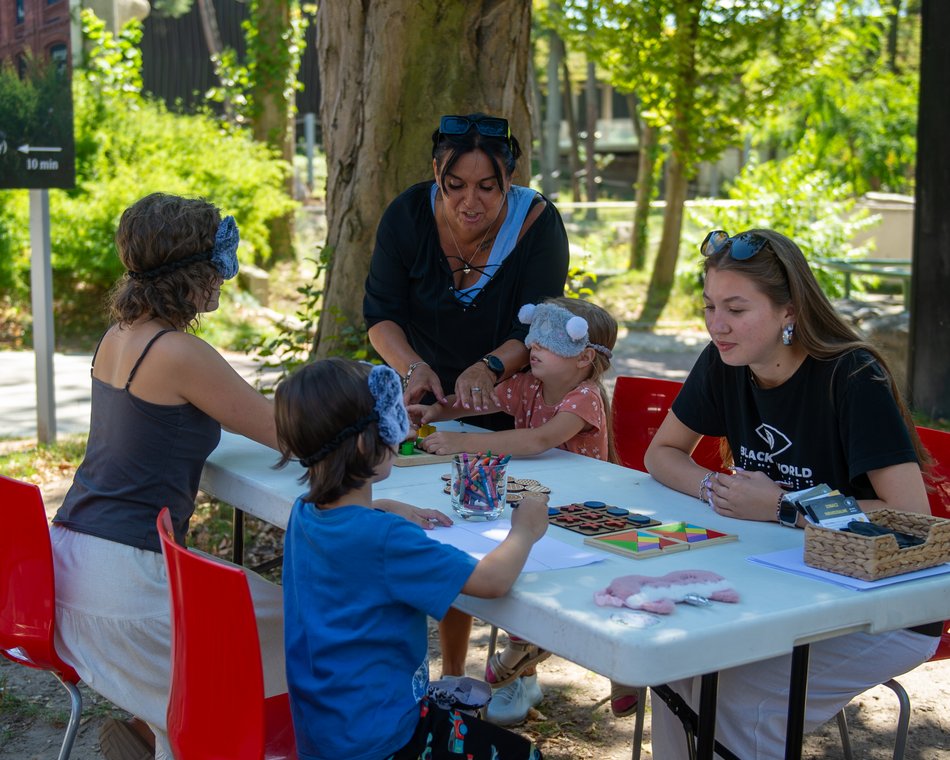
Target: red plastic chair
[937, 443]
[217, 709]
[28, 594]
[639, 407]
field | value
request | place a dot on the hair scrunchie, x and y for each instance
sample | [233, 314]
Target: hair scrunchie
[386, 387]
[224, 252]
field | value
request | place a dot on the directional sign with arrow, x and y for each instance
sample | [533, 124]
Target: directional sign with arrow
[37, 149]
[36, 143]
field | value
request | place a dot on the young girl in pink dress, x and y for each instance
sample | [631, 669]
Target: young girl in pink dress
[559, 403]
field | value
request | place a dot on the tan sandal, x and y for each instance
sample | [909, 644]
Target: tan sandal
[505, 666]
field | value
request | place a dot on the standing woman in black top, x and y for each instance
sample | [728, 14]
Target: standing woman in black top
[455, 259]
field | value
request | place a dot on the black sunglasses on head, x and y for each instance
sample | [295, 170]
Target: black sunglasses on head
[741, 247]
[487, 126]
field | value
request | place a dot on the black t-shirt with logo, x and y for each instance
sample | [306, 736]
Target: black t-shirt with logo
[831, 422]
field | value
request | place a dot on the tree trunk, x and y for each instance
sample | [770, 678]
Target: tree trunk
[893, 32]
[212, 37]
[574, 153]
[646, 184]
[209, 27]
[590, 168]
[552, 119]
[272, 120]
[680, 164]
[928, 376]
[664, 268]
[388, 70]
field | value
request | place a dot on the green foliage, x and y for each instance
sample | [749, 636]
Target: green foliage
[292, 347]
[580, 283]
[854, 115]
[127, 146]
[269, 68]
[807, 205]
[43, 462]
[701, 69]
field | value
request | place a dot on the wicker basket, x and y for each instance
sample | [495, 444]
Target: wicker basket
[874, 558]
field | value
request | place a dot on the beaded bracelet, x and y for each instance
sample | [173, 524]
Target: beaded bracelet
[704, 484]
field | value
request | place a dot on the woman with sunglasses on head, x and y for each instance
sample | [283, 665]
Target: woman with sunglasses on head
[455, 259]
[801, 401]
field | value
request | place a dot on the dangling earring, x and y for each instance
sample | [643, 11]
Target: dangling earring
[787, 332]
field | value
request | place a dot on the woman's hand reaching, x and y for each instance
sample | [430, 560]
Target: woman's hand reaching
[475, 389]
[423, 380]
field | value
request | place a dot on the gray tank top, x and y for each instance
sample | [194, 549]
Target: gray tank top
[140, 457]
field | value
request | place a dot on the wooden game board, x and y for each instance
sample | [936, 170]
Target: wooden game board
[420, 457]
[694, 535]
[594, 518]
[637, 544]
[661, 539]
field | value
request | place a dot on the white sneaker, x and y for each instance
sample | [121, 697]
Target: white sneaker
[509, 704]
[532, 689]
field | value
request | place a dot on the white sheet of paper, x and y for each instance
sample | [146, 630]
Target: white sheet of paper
[791, 561]
[477, 539]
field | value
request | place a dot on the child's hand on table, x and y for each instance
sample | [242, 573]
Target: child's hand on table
[531, 515]
[445, 443]
[425, 518]
[419, 414]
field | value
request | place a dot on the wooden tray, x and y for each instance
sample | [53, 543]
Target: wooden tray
[420, 457]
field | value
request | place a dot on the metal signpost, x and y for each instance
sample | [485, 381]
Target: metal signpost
[36, 153]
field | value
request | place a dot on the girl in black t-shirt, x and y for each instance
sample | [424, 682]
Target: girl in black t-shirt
[799, 399]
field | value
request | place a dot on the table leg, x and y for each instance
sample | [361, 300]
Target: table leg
[237, 537]
[797, 692]
[706, 732]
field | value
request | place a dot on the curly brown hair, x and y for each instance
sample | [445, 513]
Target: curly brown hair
[156, 231]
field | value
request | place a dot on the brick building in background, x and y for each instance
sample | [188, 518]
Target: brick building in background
[37, 27]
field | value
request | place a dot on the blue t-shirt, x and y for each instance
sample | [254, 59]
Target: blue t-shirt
[358, 585]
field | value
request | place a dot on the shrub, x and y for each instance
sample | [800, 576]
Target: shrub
[128, 145]
[807, 205]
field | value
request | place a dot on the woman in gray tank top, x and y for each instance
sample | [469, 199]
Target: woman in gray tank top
[160, 396]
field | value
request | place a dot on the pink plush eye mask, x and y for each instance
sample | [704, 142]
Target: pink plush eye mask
[660, 593]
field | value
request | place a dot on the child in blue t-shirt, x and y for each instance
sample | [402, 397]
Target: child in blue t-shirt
[359, 582]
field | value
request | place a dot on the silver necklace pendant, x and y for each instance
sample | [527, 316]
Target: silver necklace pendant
[466, 270]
